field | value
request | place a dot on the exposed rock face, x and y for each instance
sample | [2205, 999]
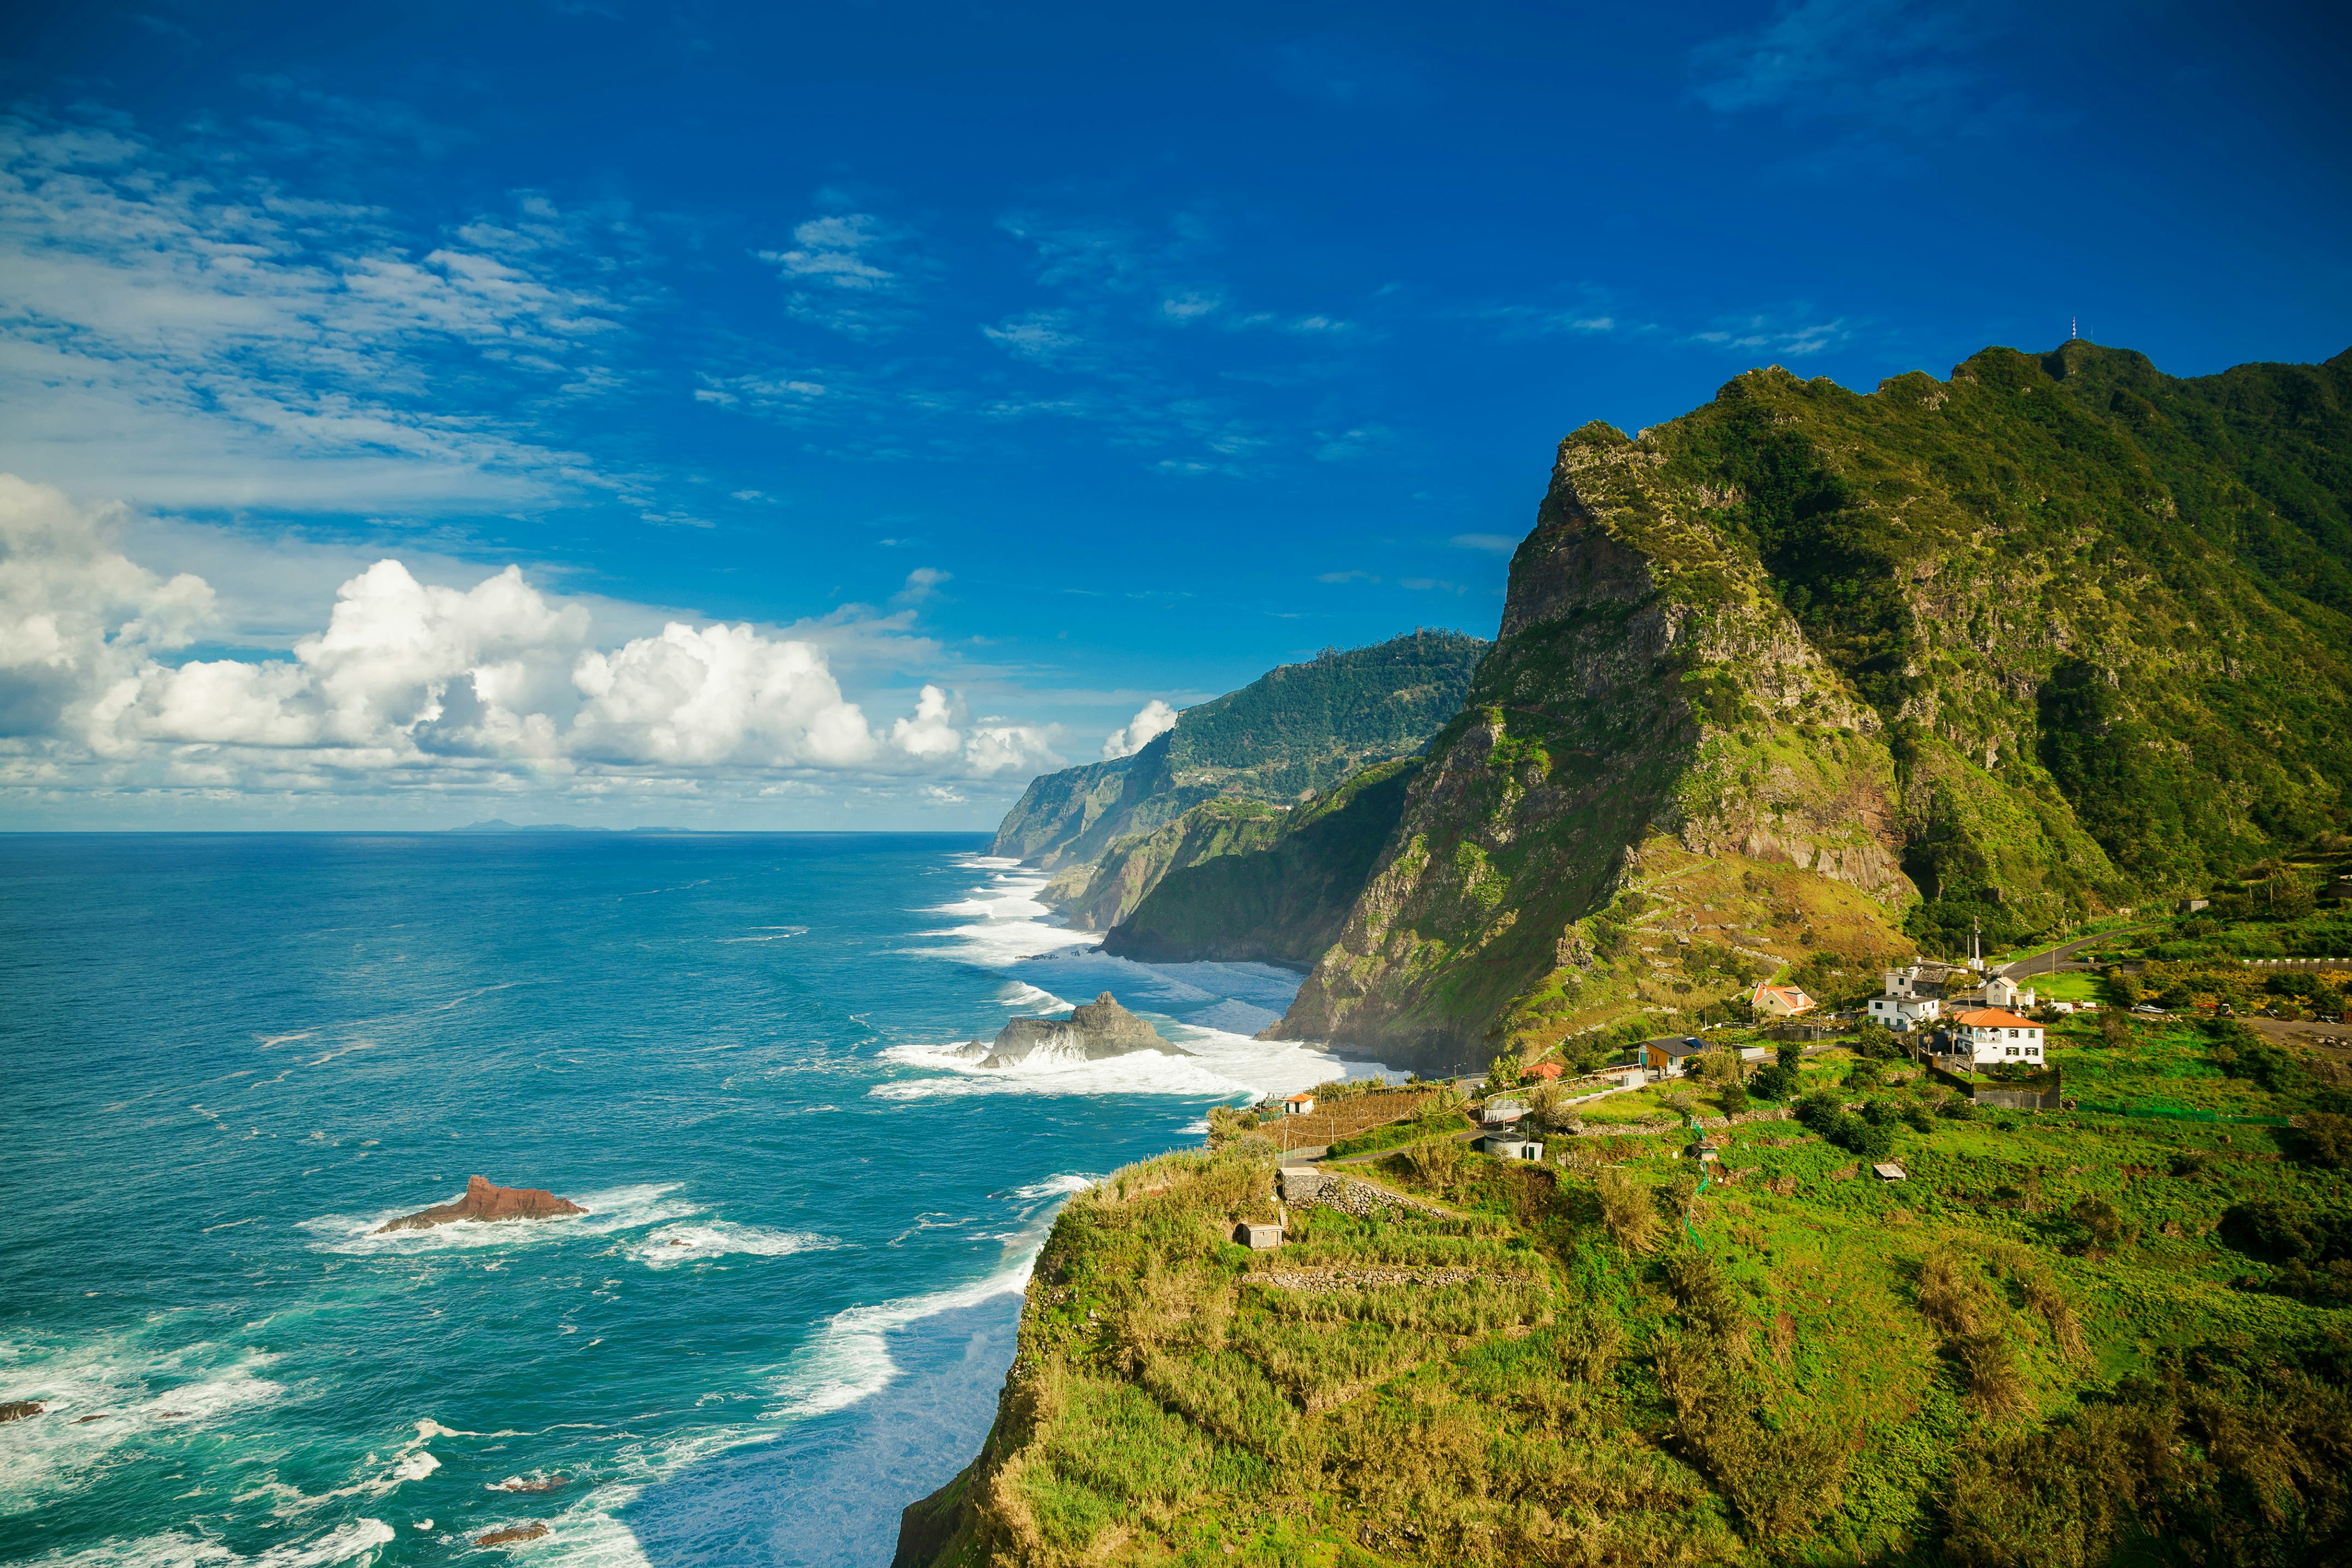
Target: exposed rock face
[484, 1200]
[510, 1535]
[1100, 1030]
[1282, 899]
[20, 1409]
[1650, 706]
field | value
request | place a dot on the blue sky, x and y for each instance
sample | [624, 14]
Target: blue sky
[878, 404]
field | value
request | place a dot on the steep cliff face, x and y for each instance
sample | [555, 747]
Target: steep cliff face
[1293, 732]
[1649, 698]
[1098, 894]
[1280, 897]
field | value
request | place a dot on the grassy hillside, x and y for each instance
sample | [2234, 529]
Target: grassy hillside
[1278, 898]
[1295, 731]
[2059, 636]
[2066, 1339]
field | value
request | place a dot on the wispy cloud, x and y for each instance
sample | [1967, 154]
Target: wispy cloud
[1794, 334]
[846, 274]
[1896, 81]
[197, 334]
[1490, 544]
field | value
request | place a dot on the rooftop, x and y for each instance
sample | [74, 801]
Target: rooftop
[1995, 1018]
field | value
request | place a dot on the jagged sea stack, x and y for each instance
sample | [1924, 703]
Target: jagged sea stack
[1100, 1030]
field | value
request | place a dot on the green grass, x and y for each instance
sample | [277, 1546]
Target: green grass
[1851, 1370]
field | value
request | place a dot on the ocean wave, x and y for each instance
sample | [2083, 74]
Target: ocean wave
[133, 1393]
[616, 1209]
[173, 1550]
[1222, 1064]
[851, 1360]
[695, 1243]
[1059, 1186]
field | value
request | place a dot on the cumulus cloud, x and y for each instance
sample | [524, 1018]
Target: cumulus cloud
[410, 678]
[1151, 721]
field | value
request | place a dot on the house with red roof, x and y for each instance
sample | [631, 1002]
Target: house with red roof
[1780, 1002]
[1993, 1034]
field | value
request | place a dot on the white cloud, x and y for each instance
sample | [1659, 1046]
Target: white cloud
[1153, 719]
[413, 681]
[1347, 577]
[1044, 337]
[835, 266]
[1492, 543]
[192, 334]
[1775, 334]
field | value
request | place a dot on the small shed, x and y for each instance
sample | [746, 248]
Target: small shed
[1511, 1146]
[1258, 1237]
[1299, 1105]
[1889, 1172]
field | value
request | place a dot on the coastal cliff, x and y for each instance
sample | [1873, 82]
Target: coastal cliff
[1281, 896]
[1298, 730]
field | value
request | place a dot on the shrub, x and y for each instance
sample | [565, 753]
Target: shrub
[2098, 1227]
[1625, 1210]
[1704, 1294]
[2325, 1140]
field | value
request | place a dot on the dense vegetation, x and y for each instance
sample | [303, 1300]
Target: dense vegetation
[1297, 730]
[2066, 1340]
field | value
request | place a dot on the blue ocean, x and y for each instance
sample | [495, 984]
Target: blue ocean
[226, 1060]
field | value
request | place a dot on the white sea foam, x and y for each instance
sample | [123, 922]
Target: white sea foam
[137, 1393]
[173, 1550]
[851, 1360]
[1223, 1065]
[1059, 1186]
[699, 1241]
[617, 1209]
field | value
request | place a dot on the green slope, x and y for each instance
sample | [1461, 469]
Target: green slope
[2064, 1341]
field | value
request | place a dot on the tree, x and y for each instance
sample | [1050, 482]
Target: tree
[1503, 1072]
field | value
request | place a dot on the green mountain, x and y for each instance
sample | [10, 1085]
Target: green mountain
[1295, 731]
[1279, 894]
[1808, 677]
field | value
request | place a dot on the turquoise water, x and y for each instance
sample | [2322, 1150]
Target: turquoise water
[225, 1060]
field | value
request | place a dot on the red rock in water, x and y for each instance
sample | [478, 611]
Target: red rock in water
[515, 1532]
[484, 1200]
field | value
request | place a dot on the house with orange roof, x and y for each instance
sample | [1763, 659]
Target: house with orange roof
[1993, 1034]
[1547, 1071]
[1780, 1002]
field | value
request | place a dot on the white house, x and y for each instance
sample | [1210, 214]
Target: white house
[1299, 1105]
[2001, 991]
[1990, 1035]
[1906, 1012]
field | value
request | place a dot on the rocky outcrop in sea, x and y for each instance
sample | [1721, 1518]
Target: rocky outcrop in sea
[485, 1200]
[1100, 1030]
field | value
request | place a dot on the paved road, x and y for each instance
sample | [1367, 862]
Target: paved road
[2056, 957]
